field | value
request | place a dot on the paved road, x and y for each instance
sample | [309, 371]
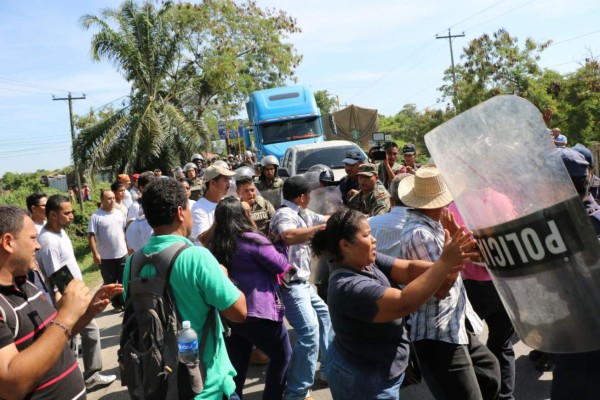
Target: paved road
[530, 385]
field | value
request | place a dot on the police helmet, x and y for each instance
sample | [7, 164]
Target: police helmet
[197, 156]
[189, 166]
[247, 153]
[243, 173]
[269, 160]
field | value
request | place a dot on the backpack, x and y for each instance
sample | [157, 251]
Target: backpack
[148, 352]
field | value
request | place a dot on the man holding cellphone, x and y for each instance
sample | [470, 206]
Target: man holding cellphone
[56, 252]
[35, 359]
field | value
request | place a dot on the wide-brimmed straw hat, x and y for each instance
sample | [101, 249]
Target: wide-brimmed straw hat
[426, 189]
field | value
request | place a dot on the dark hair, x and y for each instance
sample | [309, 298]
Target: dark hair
[116, 186]
[389, 145]
[145, 178]
[244, 181]
[161, 199]
[343, 224]
[54, 203]
[34, 199]
[11, 219]
[102, 191]
[231, 222]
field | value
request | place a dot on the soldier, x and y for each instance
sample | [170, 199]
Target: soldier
[196, 183]
[372, 199]
[261, 210]
[409, 158]
[349, 184]
[269, 184]
[199, 161]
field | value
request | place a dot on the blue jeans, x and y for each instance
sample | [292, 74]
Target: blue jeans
[309, 316]
[349, 380]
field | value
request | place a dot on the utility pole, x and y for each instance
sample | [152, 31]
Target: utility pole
[75, 163]
[450, 37]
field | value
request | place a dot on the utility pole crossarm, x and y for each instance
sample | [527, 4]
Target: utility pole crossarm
[75, 163]
[450, 37]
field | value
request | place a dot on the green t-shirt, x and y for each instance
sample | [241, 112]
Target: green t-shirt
[197, 283]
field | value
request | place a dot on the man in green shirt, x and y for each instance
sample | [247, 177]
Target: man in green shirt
[197, 280]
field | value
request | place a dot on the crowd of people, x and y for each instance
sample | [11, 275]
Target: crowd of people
[392, 264]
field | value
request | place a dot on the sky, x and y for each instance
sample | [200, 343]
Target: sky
[378, 54]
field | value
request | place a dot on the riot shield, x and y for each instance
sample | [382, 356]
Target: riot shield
[325, 200]
[537, 241]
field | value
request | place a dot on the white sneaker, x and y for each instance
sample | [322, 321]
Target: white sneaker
[99, 380]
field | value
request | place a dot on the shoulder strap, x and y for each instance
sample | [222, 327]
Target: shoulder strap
[10, 317]
[158, 259]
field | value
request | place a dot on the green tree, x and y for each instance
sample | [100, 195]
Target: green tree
[182, 61]
[493, 65]
[152, 130]
[325, 101]
[580, 105]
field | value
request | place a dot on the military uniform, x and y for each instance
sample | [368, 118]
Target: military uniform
[272, 192]
[374, 203]
[197, 189]
[261, 212]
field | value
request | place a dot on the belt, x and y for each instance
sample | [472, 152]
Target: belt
[296, 282]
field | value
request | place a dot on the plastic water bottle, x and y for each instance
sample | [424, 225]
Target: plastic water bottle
[187, 341]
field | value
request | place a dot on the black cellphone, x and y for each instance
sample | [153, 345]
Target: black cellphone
[61, 278]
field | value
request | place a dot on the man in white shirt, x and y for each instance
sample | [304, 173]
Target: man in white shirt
[217, 180]
[36, 205]
[135, 210]
[106, 236]
[124, 179]
[57, 251]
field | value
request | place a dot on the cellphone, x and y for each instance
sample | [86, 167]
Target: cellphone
[61, 278]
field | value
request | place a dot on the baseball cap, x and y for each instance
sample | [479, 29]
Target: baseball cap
[586, 153]
[352, 157]
[135, 177]
[367, 170]
[409, 148]
[214, 171]
[575, 162]
[295, 186]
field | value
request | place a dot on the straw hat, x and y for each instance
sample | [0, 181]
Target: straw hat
[426, 189]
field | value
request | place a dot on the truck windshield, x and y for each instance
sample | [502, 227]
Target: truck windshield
[285, 131]
[330, 156]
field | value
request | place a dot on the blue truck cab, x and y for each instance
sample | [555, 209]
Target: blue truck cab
[282, 117]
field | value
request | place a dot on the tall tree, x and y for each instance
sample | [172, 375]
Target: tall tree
[493, 65]
[182, 60]
[325, 101]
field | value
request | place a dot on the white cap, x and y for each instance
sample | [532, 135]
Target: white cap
[186, 325]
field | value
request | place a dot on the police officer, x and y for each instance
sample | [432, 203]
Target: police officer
[269, 184]
[372, 199]
[196, 183]
[261, 210]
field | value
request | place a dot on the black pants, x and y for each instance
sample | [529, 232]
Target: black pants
[460, 372]
[112, 272]
[487, 304]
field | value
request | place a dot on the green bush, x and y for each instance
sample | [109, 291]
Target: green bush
[18, 186]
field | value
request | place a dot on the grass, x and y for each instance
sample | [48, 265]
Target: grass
[90, 271]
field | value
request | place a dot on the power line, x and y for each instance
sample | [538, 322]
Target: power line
[499, 15]
[32, 85]
[477, 13]
[573, 38]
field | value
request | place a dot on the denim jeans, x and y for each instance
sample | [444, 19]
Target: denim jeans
[487, 304]
[309, 316]
[272, 338]
[350, 380]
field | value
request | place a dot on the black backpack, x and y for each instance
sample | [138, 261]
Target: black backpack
[148, 351]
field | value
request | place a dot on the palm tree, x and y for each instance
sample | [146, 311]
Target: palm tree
[154, 130]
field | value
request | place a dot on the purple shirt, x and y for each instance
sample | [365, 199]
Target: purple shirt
[254, 269]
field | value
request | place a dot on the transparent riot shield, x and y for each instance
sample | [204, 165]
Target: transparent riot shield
[513, 191]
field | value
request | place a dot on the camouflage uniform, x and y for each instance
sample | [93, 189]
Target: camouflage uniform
[261, 212]
[376, 202]
[272, 192]
[197, 189]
